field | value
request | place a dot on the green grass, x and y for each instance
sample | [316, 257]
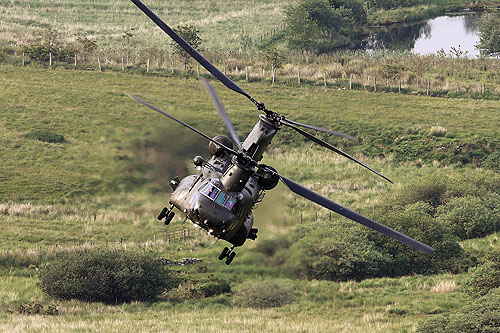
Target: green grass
[222, 23]
[77, 191]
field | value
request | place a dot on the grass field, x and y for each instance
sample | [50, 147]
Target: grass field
[80, 190]
[222, 23]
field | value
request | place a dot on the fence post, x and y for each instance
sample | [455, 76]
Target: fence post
[399, 88]
[172, 68]
[147, 66]
[350, 82]
[75, 60]
[298, 76]
[198, 69]
[375, 84]
[121, 241]
[246, 73]
[23, 58]
[483, 88]
[315, 216]
[301, 217]
[324, 78]
[123, 64]
[428, 87]
[225, 73]
[99, 63]
[50, 59]
[274, 73]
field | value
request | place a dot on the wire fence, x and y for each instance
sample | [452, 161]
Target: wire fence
[339, 78]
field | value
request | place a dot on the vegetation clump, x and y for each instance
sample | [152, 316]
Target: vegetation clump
[484, 277]
[45, 136]
[106, 275]
[264, 294]
[480, 315]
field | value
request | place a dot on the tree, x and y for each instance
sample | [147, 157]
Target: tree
[322, 25]
[191, 35]
[127, 35]
[274, 57]
[48, 42]
[489, 34]
[86, 46]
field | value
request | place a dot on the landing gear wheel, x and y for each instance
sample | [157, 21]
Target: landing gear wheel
[224, 253]
[163, 213]
[169, 218]
[230, 257]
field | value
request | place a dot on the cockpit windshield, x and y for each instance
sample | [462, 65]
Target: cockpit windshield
[215, 194]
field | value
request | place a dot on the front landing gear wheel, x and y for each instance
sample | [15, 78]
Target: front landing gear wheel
[224, 253]
[163, 213]
[230, 257]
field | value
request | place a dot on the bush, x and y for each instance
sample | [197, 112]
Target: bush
[264, 294]
[480, 315]
[195, 287]
[416, 222]
[338, 252]
[105, 275]
[45, 136]
[468, 217]
[484, 277]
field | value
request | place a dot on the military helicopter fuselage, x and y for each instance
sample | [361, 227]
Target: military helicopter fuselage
[221, 196]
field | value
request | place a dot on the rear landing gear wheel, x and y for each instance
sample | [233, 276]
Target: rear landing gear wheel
[169, 218]
[230, 257]
[224, 253]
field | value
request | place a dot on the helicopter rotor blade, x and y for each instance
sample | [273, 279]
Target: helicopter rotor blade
[195, 54]
[183, 123]
[329, 146]
[324, 130]
[222, 111]
[346, 212]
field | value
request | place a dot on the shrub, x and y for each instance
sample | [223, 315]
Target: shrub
[492, 161]
[195, 287]
[335, 252]
[416, 222]
[45, 136]
[484, 277]
[429, 189]
[105, 275]
[437, 131]
[480, 315]
[468, 217]
[264, 294]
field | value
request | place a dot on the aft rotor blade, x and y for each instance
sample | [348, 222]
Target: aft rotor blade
[329, 146]
[324, 130]
[195, 54]
[222, 111]
[346, 212]
[182, 123]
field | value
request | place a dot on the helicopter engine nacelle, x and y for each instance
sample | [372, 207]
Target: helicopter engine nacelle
[217, 150]
[267, 179]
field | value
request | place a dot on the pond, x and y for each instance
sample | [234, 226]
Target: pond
[429, 37]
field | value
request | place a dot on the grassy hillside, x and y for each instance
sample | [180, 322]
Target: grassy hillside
[85, 189]
[222, 23]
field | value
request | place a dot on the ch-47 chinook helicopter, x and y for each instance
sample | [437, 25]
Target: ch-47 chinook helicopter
[221, 196]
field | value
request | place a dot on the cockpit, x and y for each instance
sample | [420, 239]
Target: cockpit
[218, 196]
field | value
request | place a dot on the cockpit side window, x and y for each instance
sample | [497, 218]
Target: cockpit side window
[215, 194]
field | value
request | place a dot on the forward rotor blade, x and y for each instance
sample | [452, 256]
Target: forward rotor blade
[324, 130]
[222, 111]
[195, 54]
[346, 212]
[329, 146]
[182, 123]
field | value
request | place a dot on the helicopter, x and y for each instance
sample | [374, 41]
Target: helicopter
[220, 198]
